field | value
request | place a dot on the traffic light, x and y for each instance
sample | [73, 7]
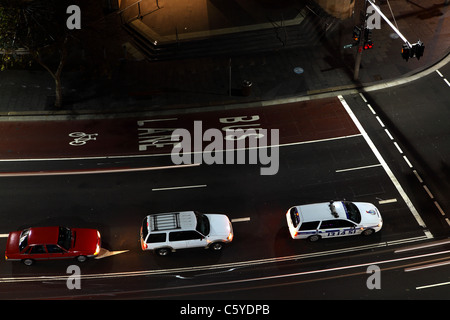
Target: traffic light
[368, 44]
[416, 50]
[406, 52]
[356, 34]
[419, 49]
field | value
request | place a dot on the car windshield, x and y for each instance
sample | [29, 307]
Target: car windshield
[23, 240]
[65, 237]
[202, 224]
[352, 211]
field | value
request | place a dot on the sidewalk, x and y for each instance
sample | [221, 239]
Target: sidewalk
[134, 84]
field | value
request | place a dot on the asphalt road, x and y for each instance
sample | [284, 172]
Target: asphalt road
[324, 154]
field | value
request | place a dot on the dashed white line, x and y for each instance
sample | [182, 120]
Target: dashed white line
[398, 147]
[388, 170]
[446, 81]
[389, 134]
[417, 176]
[381, 122]
[407, 161]
[439, 208]
[393, 200]
[428, 191]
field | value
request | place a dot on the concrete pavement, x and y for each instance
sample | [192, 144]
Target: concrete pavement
[133, 84]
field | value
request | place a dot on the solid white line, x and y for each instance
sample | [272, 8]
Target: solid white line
[389, 172]
[4, 235]
[180, 187]
[359, 168]
[241, 219]
[427, 266]
[229, 265]
[92, 171]
[186, 153]
[423, 246]
[433, 285]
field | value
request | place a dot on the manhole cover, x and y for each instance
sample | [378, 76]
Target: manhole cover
[298, 70]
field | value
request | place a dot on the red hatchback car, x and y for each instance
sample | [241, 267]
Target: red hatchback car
[46, 243]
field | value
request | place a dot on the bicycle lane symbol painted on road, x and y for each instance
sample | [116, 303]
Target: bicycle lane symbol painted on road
[81, 138]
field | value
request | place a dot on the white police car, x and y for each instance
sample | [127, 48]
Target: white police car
[333, 219]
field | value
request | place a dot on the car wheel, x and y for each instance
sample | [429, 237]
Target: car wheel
[81, 258]
[28, 262]
[163, 252]
[368, 232]
[314, 238]
[216, 246]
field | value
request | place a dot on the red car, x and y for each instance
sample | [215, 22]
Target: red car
[46, 243]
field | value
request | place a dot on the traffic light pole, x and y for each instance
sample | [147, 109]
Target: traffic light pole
[360, 45]
[389, 23]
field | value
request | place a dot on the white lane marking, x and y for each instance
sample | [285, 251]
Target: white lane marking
[423, 246]
[92, 171]
[418, 176]
[224, 265]
[359, 168]
[398, 147]
[388, 170]
[241, 219]
[168, 154]
[387, 201]
[439, 208]
[439, 73]
[428, 191]
[428, 266]
[380, 122]
[446, 81]
[433, 285]
[407, 161]
[4, 235]
[389, 134]
[180, 187]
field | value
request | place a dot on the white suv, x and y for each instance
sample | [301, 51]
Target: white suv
[167, 232]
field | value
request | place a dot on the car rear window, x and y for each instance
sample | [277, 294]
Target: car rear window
[156, 237]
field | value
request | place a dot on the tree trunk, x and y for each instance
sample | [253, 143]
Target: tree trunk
[58, 91]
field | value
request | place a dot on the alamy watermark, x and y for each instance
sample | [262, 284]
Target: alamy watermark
[230, 146]
[373, 18]
[74, 280]
[374, 280]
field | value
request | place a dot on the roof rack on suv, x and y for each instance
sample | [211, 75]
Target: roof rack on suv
[165, 221]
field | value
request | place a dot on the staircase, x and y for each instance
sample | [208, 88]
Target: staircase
[306, 30]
